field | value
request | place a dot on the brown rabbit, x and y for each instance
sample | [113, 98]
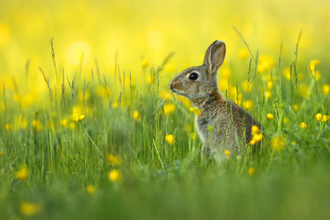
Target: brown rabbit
[222, 124]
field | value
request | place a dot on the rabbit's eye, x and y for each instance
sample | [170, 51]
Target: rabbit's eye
[193, 76]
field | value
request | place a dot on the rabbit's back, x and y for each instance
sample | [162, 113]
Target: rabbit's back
[225, 125]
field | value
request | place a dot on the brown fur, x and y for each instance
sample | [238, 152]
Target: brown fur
[231, 123]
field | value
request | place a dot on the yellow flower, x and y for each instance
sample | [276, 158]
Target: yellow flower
[136, 115]
[245, 85]
[72, 125]
[270, 116]
[223, 84]
[317, 75]
[90, 189]
[114, 159]
[243, 53]
[303, 125]
[255, 129]
[144, 63]
[286, 73]
[114, 175]
[312, 67]
[285, 120]
[318, 116]
[64, 122]
[30, 209]
[22, 174]
[115, 105]
[168, 108]
[252, 142]
[257, 137]
[226, 72]
[269, 85]
[185, 101]
[227, 152]
[268, 94]
[166, 95]
[169, 67]
[325, 118]
[148, 79]
[21, 122]
[278, 142]
[36, 125]
[248, 104]
[77, 114]
[325, 89]
[265, 63]
[195, 110]
[78, 118]
[295, 107]
[9, 127]
[4, 33]
[169, 138]
[293, 142]
[315, 62]
[252, 171]
[0, 153]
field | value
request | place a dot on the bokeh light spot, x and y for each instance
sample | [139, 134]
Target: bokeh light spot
[79, 52]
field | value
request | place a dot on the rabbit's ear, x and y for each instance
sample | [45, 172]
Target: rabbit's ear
[215, 56]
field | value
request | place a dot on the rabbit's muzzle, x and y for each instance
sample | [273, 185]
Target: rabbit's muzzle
[176, 86]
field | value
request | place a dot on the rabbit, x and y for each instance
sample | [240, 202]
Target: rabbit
[221, 124]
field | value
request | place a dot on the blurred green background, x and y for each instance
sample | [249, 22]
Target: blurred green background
[152, 30]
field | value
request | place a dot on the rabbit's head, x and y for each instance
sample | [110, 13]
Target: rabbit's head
[201, 81]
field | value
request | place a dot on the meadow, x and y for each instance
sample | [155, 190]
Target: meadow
[90, 130]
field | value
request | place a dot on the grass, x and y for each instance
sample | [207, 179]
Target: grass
[160, 180]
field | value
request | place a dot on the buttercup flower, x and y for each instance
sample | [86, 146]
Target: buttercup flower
[325, 118]
[252, 142]
[168, 108]
[227, 152]
[270, 116]
[114, 175]
[252, 171]
[257, 137]
[144, 63]
[78, 118]
[318, 116]
[136, 115]
[22, 174]
[9, 127]
[90, 189]
[64, 122]
[169, 138]
[255, 129]
[195, 110]
[114, 159]
[303, 125]
[30, 209]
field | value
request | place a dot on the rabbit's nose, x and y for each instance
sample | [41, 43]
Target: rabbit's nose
[171, 86]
